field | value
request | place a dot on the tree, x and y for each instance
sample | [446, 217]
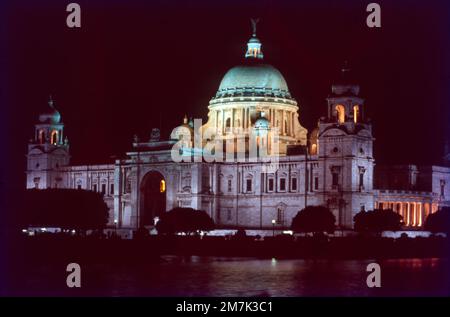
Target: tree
[315, 219]
[64, 208]
[439, 221]
[377, 220]
[185, 220]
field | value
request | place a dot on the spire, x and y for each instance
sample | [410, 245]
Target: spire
[254, 45]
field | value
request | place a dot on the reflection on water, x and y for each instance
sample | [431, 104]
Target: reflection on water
[215, 276]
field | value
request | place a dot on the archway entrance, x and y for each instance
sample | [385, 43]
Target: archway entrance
[153, 198]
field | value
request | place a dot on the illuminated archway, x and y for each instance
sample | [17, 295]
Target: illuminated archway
[355, 113]
[54, 137]
[41, 136]
[340, 113]
[152, 198]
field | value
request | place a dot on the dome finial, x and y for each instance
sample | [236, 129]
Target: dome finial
[346, 73]
[254, 45]
[345, 68]
[254, 23]
[50, 101]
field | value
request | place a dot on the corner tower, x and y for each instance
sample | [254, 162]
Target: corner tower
[345, 152]
[48, 151]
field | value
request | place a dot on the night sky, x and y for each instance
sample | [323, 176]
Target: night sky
[135, 65]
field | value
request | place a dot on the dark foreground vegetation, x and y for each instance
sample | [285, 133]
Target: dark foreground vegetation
[79, 211]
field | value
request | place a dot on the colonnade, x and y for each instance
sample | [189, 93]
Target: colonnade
[227, 120]
[414, 213]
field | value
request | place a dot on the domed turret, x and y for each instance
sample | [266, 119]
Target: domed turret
[183, 131]
[262, 123]
[52, 115]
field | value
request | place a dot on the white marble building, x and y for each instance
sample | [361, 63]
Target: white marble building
[332, 166]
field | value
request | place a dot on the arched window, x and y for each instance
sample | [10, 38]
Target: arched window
[356, 113]
[228, 123]
[340, 113]
[54, 137]
[313, 149]
[41, 136]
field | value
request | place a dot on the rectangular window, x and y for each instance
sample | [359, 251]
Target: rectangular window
[280, 216]
[316, 183]
[103, 189]
[229, 185]
[128, 187]
[282, 184]
[361, 179]
[335, 180]
[94, 187]
[270, 184]
[294, 184]
[111, 189]
[229, 214]
[249, 185]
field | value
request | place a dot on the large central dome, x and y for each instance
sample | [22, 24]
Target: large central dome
[247, 93]
[253, 79]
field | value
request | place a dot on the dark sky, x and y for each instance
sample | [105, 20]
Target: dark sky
[134, 65]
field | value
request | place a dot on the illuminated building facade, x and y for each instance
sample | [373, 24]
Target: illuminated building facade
[332, 166]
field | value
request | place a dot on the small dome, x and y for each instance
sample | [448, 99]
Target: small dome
[183, 130]
[254, 40]
[51, 115]
[262, 123]
[345, 85]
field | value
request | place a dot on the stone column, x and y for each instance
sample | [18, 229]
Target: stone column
[288, 122]
[223, 122]
[419, 214]
[408, 218]
[232, 120]
[404, 212]
[293, 122]
[217, 120]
